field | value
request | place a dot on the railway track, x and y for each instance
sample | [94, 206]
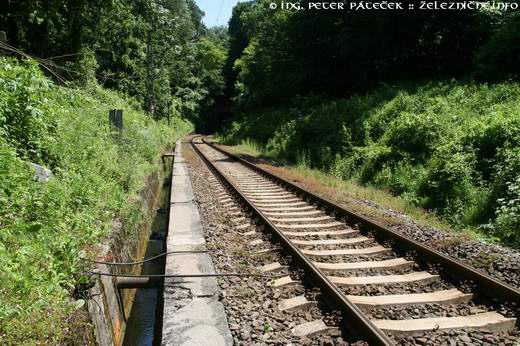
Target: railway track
[389, 288]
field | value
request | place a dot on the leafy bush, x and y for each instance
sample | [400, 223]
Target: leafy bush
[46, 226]
[450, 147]
[413, 135]
[283, 139]
[24, 99]
[448, 186]
[508, 214]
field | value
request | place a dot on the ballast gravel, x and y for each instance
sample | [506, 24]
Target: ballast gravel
[251, 303]
[454, 245]
[497, 261]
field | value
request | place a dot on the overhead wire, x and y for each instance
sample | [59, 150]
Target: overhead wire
[219, 11]
[7, 47]
[47, 63]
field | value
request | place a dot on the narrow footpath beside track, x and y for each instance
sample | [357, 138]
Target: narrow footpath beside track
[388, 288]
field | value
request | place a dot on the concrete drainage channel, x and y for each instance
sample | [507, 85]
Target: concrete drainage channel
[171, 297]
[143, 326]
[122, 311]
[184, 308]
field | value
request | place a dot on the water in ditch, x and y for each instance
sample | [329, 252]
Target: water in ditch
[144, 322]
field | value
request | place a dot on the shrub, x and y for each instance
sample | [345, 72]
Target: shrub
[413, 136]
[372, 159]
[487, 139]
[283, 141]
[24, 120]
[508, 213]
[45, 226]
[451, 147]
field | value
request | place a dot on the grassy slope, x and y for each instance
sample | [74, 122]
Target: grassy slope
[448, 147]
[45, 227]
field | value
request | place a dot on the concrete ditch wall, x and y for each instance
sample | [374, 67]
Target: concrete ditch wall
[106, 307]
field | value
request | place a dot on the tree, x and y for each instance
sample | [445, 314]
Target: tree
[152, 53]
[499, 58]
[276, 55]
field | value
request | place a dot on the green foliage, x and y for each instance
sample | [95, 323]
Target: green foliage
[500, 56]
[46, 226]
[508, 213]
[24, 124]
[277, 55]
[210, 58]
[446, 146]
[452, 148]
[157, 51]
[450, 183]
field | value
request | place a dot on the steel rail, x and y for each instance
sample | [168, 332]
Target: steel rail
[487, 285]
[355, 320]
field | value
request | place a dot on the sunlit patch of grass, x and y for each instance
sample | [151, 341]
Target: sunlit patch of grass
[251, 147]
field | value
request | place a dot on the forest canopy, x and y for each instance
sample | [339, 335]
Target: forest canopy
[157, 51]
[279, 54]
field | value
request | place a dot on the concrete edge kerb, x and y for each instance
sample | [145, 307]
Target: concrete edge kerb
[193, 315]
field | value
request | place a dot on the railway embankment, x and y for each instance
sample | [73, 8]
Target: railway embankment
[102, 183]
[448, 148]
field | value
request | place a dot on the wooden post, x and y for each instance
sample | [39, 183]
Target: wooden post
[115, 118]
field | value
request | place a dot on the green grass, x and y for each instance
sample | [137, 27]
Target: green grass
[251, 147]
[450, 148]
[47, 227]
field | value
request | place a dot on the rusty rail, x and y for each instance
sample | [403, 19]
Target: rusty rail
[356, 322]
[487, 285]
